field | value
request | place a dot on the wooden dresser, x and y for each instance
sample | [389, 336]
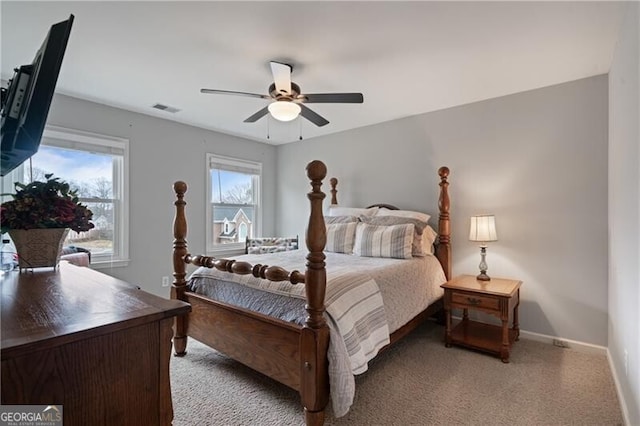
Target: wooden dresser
[97, 345]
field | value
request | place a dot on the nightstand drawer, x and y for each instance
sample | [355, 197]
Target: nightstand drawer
[475, 301]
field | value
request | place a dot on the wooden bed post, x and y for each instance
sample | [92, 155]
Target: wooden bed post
[334, 198]
[443, 249]
[179, 267]
[314, 338]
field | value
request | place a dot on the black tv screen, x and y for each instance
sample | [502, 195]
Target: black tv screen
[26, 101]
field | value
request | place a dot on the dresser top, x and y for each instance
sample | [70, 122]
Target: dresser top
[47, 308]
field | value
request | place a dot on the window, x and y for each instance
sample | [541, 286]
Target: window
[96, 166]
[233, 202]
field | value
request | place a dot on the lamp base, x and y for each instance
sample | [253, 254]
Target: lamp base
[483, 276]
[483, 265]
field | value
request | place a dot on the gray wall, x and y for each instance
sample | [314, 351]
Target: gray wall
[624, 212]
[537, 160]
[162, 152]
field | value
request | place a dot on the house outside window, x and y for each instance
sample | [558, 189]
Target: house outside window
[96, 166]
[233, 202]
[243, 231]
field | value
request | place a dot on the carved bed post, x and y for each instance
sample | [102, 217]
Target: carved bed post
[179, 267]
[443, 249]
[314, 338]
[334, 191]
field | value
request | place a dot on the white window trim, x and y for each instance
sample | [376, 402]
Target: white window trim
[78, 139]
[229, 163]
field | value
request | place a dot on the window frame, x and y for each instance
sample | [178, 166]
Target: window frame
[237, 165]
[61, 137]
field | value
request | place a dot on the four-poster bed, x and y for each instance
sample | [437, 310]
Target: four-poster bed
[293, 353]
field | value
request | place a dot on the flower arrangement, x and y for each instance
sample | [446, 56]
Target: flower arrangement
[50, 204]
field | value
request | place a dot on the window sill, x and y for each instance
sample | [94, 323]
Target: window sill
[225, 253]
[109, 264]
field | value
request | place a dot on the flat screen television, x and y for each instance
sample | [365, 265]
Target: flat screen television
[25, 102]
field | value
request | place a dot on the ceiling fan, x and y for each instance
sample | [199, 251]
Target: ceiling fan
[288, 100]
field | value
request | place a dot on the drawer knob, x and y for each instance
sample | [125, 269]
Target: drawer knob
[473, 301]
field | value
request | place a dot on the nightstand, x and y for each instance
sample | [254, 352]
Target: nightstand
[499, 297]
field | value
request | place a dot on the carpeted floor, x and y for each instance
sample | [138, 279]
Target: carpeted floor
[417, 382]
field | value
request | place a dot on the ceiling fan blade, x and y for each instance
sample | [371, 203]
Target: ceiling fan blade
[312, 116]
[335, 98]
[231, 92]
[281, 77]
[257, 116]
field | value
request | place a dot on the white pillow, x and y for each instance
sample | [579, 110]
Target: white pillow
[429, 236]
[403, 213]
[340, 237]
[384, 241]
[335, 210]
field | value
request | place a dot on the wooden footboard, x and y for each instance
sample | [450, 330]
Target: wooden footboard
[249, 337]
[293, 355]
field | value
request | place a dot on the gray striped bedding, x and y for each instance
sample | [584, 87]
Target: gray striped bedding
[366, 299]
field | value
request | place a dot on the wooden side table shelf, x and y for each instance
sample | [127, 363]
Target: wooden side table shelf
[498, 297]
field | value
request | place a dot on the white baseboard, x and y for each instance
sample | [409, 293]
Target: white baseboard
[623, 405]
[572, 344]
[544, 338]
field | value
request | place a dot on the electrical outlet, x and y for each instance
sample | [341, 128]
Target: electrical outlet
[165, 281]
[560, 343]
[626, 363]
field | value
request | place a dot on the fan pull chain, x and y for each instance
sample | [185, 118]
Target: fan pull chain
[300, 126]
[268, 121]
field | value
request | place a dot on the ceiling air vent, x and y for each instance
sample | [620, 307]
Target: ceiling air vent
[166, 108]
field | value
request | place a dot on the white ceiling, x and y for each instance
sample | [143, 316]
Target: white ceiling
[407, 58]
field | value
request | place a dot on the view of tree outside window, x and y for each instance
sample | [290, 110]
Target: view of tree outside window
[231, 187]
[233, 206]
[234, 202]
[91, 175]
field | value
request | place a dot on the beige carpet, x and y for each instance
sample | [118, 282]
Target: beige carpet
[418, 382]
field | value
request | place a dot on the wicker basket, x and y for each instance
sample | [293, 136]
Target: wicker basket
[38, 247]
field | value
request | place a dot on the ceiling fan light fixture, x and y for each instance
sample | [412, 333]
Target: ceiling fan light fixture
[284, 110]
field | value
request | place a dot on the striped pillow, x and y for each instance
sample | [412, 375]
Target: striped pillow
[340, 219]
[340, 237]
[384, 241]
[417, 244]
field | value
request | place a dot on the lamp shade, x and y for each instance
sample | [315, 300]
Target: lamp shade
[483, 228]
[284, 110]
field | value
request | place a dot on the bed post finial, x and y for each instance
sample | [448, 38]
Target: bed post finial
[443, 249]
[179, 267]
[334, 197]
[314, 338]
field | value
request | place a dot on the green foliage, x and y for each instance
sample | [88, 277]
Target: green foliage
[49, 204]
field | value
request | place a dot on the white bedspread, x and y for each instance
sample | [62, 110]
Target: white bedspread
[366, 299]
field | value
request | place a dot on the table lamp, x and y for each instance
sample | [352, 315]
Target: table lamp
[483, 230]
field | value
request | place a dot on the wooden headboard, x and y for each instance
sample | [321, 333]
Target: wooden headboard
[442, 244]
